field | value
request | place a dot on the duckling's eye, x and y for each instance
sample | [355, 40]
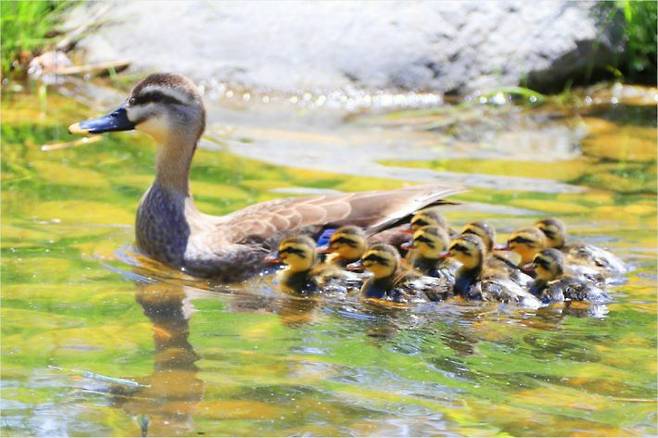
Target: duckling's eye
[461, 248]
[420, 223]
[376, 259]
[543, 263]
[523, 240]
[296, 251]
[346, 241]
[425, 240]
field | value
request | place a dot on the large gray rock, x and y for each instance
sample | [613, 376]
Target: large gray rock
[445, 46]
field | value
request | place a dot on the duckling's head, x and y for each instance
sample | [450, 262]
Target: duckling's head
[164, 105]
[469, 250]
[554, 230]
[526, 242]
[484, 231]
[298, 253]
[548, 264]
[349, 242]
[431, 242]
[382, 260]
[428, 217]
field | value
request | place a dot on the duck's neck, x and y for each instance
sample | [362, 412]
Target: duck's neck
[172, 169]
[166, 214]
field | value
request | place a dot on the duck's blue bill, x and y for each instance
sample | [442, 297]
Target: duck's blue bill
[117, 120]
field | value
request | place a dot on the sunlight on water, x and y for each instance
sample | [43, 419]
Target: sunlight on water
[98, 340]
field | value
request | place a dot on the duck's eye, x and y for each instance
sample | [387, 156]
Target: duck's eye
[132, 101]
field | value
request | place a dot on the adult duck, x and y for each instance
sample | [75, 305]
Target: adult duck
[169, 227]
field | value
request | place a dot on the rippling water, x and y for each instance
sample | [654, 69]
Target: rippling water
[99, 341]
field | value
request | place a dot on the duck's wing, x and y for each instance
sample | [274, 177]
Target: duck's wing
[374, 211]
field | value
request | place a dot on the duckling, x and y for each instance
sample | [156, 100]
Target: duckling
[427, 256]
[303, 274]
[475, 281]
[390, 281]
[553, 284]
[526, 242]
[494, 261]
[347, 245]
[580, 253]
[169, 227]
[430, 216]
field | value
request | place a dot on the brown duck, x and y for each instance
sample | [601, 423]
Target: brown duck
[169, 227]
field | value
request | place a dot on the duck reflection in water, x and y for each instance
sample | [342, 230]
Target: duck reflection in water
[165, 400]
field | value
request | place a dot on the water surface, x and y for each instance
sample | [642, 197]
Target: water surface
[97, 340]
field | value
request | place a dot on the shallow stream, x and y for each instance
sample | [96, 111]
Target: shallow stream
[97, 340]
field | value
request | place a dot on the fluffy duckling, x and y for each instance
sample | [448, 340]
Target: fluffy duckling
[475, 281]
[390, 281]
[526, 242]
[428, 246]
[494, 261]
[580, 253]
[347, 245]
[553, 284]
[303, 274]
[430, 217]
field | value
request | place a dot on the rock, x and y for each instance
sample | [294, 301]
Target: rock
[449, 47]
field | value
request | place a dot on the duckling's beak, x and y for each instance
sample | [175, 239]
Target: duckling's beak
[355, 267]
[445, 255]
[407, 246]
[117, 120]
[529, 269]
[505, 247]
[323, 249]
[272, 260]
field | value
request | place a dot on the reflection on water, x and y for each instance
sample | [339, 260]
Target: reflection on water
[97, 340]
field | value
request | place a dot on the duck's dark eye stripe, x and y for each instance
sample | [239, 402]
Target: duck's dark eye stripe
[154, 97]
[470, 231]
[519, 239]
[543, 263]
[461, 248]
[376, 259]
[420, 222]
[290, 250]
[425, 240]
[550, 234]
[346, 241]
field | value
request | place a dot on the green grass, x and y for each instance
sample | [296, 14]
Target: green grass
[26, 27]
[640, 33]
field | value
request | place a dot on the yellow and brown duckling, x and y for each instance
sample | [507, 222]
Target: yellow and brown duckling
[474, 280]
[526, 242]
[554, 284]
[347, 245]
[580, 253]
[390, 281]
[427, 255]
[494, 261]
[430, 216]
[303, 274]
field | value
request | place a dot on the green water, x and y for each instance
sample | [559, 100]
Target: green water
[99, 341]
